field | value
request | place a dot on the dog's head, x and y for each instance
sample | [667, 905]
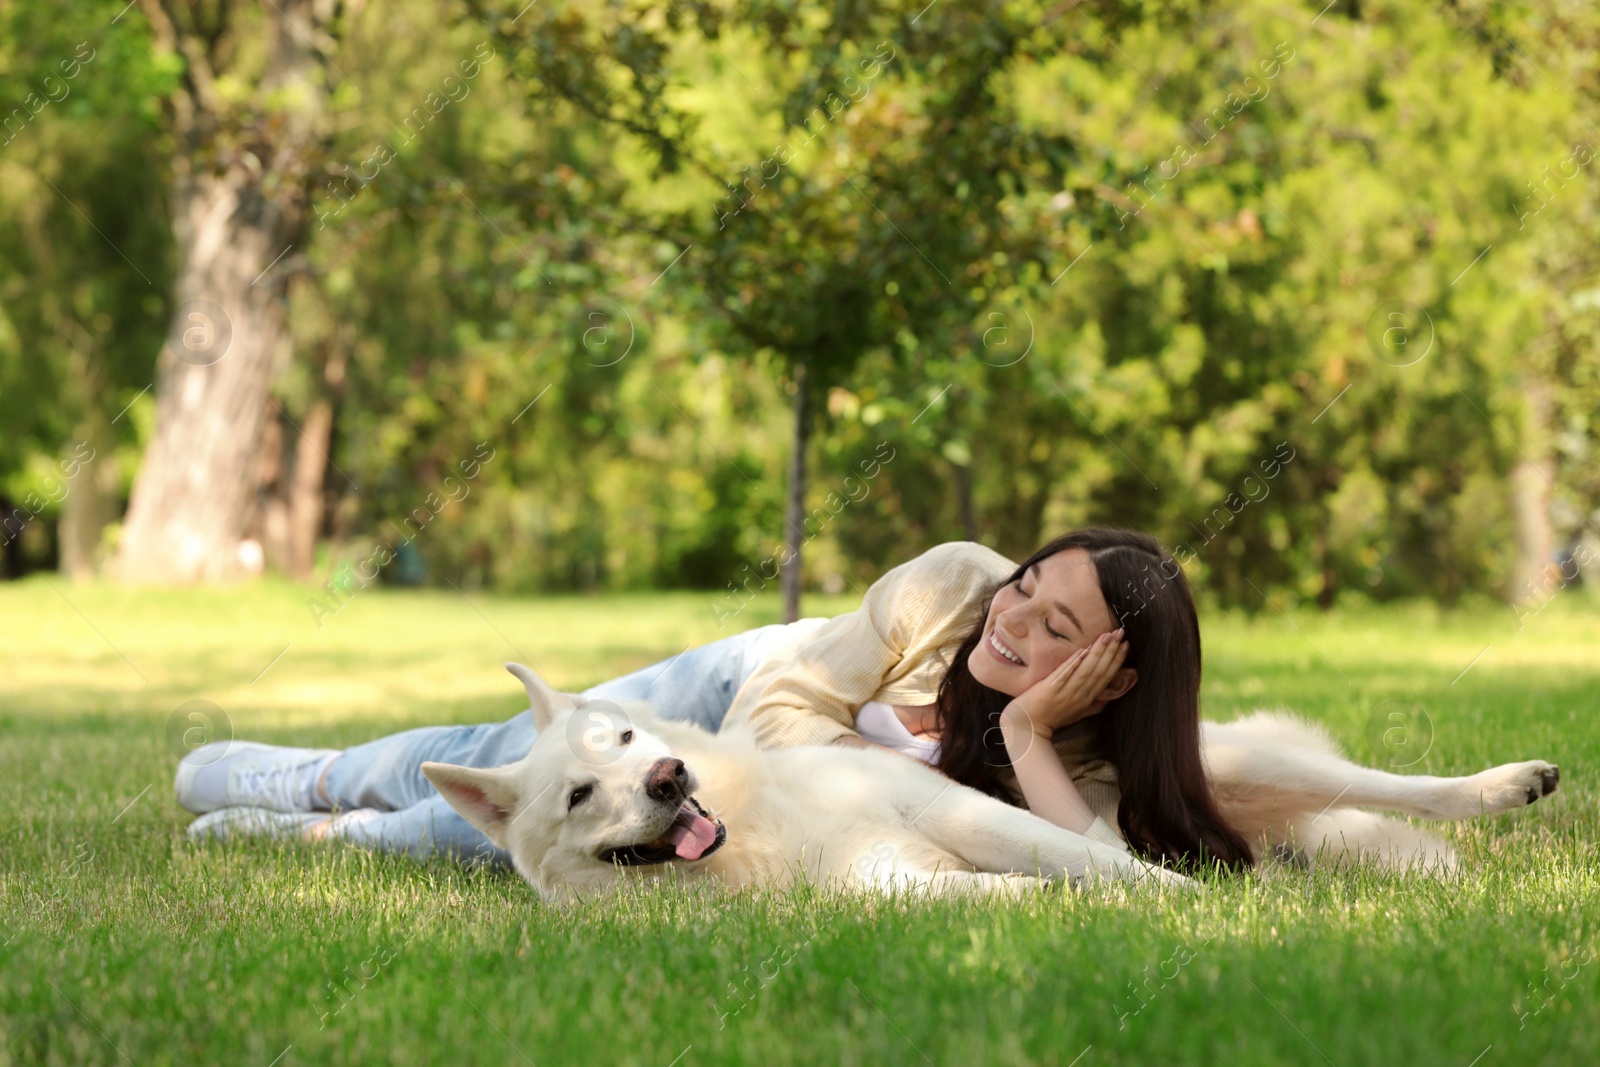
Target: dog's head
[597, 795]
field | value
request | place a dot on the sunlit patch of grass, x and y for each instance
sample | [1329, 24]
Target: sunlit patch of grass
[122, 942]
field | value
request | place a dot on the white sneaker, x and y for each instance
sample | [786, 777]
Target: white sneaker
[254, 822]
[229, 774]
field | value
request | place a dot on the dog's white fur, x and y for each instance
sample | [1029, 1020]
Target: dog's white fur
[879, 819]
[1283, 783]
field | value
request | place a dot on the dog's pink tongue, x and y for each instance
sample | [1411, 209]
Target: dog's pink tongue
[692, 834]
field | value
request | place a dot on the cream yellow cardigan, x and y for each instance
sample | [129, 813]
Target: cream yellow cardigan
[896, 649]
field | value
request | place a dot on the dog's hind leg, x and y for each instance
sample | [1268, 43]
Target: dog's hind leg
[1253, 779]
[1499, 789]
[1341, 836]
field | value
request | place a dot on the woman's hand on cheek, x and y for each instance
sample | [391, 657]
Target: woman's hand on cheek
[1068, 694]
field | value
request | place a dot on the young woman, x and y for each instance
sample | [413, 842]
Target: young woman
[1069, 683]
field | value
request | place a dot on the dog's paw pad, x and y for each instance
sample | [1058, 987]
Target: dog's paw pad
[1512, 786]
[1539, 779]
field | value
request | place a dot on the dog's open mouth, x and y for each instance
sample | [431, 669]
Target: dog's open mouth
[693, 835]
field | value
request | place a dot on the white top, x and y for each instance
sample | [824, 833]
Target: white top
[877, 722]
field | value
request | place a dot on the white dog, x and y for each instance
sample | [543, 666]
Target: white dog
[604, 797]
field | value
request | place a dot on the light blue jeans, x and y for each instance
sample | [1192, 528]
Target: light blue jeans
[694, 686]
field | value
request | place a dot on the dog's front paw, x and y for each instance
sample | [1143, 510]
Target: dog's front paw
[1515, 785]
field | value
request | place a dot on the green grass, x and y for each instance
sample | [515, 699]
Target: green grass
[123, 943]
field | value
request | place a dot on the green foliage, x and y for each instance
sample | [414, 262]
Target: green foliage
[1100, 263]
[85, 264]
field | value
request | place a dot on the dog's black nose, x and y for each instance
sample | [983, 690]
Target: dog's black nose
[668, 781]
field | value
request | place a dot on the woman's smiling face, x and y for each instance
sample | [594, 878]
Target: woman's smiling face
[1039, 620]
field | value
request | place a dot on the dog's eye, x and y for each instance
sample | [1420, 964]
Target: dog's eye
[627, 736]
[578, 796]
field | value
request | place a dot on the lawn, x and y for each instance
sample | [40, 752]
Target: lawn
[122, 943]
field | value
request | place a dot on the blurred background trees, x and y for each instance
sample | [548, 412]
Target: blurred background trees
[1310, 293]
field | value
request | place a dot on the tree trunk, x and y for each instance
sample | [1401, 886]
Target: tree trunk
[293, 505]
[93, 483]
[12, 519]
[240, 181]
[195, 490]
[1531, 480]
[795, 517]
[270, 524]
[92, 501]
[305, 487]
[308, 498]
[969, 512]
[1329, 589]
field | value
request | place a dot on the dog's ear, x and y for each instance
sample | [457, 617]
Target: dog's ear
[487, 798]
[544, 700]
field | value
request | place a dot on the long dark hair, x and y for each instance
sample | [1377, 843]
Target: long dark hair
[1150, 734]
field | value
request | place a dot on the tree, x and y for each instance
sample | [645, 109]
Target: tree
[242, 164]
[84, 263]
[857, 201]
[822, 230]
